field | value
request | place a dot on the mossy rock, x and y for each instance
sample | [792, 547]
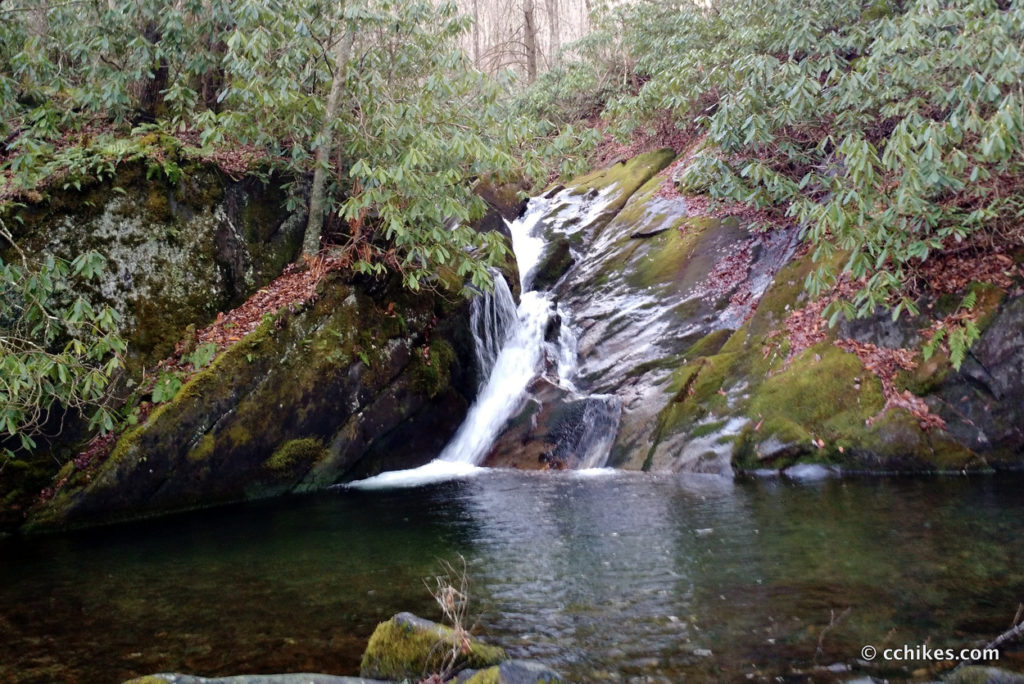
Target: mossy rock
[178, 250]
[556, 260]
[409, 647]
[432, 373]
[510, 672]
[627, 175]
[334, 387]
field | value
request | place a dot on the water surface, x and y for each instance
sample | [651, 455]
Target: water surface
[627, 577]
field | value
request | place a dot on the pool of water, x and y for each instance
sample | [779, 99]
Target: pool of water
[620, 577]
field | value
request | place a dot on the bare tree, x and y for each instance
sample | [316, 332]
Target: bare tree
[554, 29]
[530, 40]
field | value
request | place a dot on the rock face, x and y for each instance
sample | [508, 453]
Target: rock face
[341, 388]
[177, 251]
[682, 317]
[407, 647]
[365, 378]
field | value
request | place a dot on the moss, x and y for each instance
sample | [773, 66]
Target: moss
[628, 175]
[148, 679]
[986, 306]
[400, 649]
[158, 205]
[491, 675]
[202, 449]
[556, 260]
[709, 345]
[707, 429]
[294, 456]
[818, 404]
[433, 376]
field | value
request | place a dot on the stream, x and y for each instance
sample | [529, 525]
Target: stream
[603, 576]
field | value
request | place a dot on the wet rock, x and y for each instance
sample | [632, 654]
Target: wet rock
[296, 678]
[407, 647]
[337, 389]
[556, 260]
[557, 430]
[683, 319]
[976, 674]
[511, 672]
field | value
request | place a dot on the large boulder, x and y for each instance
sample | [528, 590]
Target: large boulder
[179, 250]
[342, 387]
[407, 647]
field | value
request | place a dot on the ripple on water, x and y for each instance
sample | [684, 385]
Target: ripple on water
[606, 576]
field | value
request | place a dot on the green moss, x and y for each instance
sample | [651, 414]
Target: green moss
[491, 675]
[148, 679]
[709, 345]
[202, 450]
[433, 377]
[158, 205]
[294, 456]
[398, 650]
[707, 429]
[556, 260]
[818, 404]
[628, 175]
[824, 388]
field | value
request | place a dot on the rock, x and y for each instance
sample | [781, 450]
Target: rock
[409, 647]
[297, 678]
[557, 430]
[177, 251]
[683, 318]
[511, 672]
[335, 390]
[555, 261]
[977, 674]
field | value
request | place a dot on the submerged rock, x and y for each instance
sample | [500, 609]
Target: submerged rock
[407, 647]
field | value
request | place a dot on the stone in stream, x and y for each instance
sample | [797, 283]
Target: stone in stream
[292, 678]
[556, 430]
[409, 647]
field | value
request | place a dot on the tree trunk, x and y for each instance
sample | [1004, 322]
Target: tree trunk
[554, 30]
[318, 193]
[476, 33]
[530, 39]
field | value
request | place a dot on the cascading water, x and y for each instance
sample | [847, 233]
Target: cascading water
[514, 346]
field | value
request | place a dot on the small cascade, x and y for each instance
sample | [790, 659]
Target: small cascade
[492, 318]
[516, 349]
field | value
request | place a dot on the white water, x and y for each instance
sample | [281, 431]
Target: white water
[510, 350]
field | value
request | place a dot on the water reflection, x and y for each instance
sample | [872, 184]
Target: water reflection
[606, 576]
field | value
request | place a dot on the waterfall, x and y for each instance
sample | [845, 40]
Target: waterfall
[513, 347]
[492, 319]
